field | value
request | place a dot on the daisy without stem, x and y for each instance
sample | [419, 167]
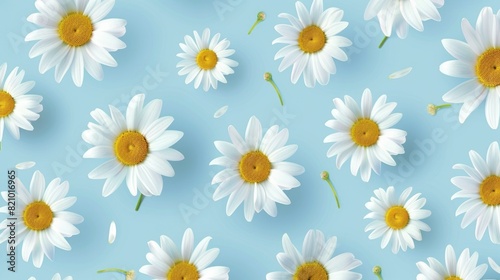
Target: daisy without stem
[205, 60]
[315, 261]
[478, 60]
[256, 172]
[43, 221]
[17, 109]
[396, 220]
[399, 14]
[74, 35]
[465, 268]
[312, 43]
[138, 145]
[481, 188]
[167, 262]
[364, 134]
[56, 276]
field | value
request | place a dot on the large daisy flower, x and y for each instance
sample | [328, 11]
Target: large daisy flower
[465, 268]
[190, 262]
[398, 14]
[17, 109]
[256, 172]
[312, 43]
[74, 35]
[365, 134]
[205, 60]
[138, 144]
[477, 59]
[482, 189]
[56, 276]
[43, 221]
[316, 261]
[396, 220]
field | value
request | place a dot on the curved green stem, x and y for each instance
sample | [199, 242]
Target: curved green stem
[253, 26]
[383, 42]
[334, 192]
[139, 202]
[113, 270]
[277, 91]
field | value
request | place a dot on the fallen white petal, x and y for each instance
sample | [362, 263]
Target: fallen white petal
[220, 112]
[25, 165]
[400, 73]
[494, 265]
[112, 232]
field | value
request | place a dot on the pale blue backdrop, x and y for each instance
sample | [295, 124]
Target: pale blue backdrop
[154, 30]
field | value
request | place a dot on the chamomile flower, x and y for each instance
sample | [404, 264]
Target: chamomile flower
[138, 144]
[256, 172]
[399, 14]
[17, 109]
[478, 60]
[312, 43]
[43, 221]
[74, 34]
[316, 260]
[481, 188]
[465, 268]
[56, 276]
[190, 262]
[365, 134]
[396, 220]
[205, 60]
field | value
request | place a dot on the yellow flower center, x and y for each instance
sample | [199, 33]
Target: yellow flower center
[206, 59]
[75, 29]
[312, 39]
[453, 278]
[254, 167]
[397, 217]
[488, 67]
[7, 104]
[131, 148]
[183, 271]
[365, 132]
[37, 215]
[489, 190]
[311, 271]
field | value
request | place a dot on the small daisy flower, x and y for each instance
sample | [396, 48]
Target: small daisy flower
[168, 262]
[365, 134]
[74, 34]
[465, 268]
[396, 220]
[17, 109]
[138, 144]
[206, 60]
[312, 43]
[481, 188]
[43, 221]
[316, 261]
[256, 172]
[478, 60]
[56, 276]
[398, 15]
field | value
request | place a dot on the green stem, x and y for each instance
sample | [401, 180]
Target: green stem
[383, 42]
[277, 91]
[443, 106]
[113, 270]
[139, 202]
[334, 191]
[380, 277]
[253, 26]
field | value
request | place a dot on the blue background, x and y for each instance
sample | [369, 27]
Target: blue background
[154, 30]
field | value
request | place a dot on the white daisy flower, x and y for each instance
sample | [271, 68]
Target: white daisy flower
[255, 171]
[74, 34]
[399, 14]
[168, 262]
[465, 268]
[17, 109]
[396, 220]
[365, 134]
[56, 276]
[205, 60]
[482, 189]
[478, 60]
[316, 261]
[43, 221]
[312, 42]
[138, 144]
